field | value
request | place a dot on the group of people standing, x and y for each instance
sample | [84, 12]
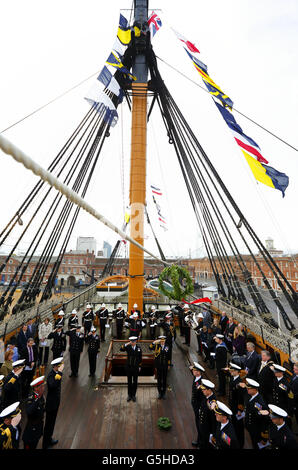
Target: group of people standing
[262, 398]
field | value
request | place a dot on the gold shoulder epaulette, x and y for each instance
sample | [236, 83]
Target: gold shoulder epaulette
[12, 380]
[57, 377]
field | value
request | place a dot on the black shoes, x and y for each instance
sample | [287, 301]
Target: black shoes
[129, 398]
[159, 396]
[133, 398]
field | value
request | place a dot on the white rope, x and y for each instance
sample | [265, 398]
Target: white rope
[10, 149]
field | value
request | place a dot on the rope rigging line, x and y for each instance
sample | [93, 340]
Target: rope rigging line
[234, 109]
[10, 149]
[49, 102]
[178, 131]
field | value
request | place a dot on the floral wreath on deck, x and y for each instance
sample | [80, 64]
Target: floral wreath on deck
[164, 423]
[176, 275]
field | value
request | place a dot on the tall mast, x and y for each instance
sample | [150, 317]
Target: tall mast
[137, 192]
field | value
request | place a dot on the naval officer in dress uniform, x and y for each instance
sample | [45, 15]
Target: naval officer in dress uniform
[52, 401]
[76, 344]
[236, 401]
[255, 422]
[133, 365]
[281, 393]
[10, 429]
[59, 343]
[225, 436]
[12, 384]
[35, 409]
[93, 342]
[196, 395]
[161, 363]
[280, 435]
[207, 421]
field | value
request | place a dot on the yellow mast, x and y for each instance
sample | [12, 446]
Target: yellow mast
[137, 192]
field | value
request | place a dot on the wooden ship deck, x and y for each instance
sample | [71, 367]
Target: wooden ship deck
[96, 415]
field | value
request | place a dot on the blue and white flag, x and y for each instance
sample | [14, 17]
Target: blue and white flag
[98, 96]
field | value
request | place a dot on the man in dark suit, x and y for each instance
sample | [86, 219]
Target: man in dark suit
[228, 334]
[30, 354]
[225, 436]
[251, 362]
[31, 328]
[133, 363]
[52, 401]
[22, 338]
[265, 376]
[223, 322]
[76, 344]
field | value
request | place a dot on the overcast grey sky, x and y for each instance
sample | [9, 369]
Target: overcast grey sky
[250, 48]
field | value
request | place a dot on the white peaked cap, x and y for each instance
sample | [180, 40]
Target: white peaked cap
[56, 361]
[20, 362]
[135, 305]
[234, 366]
[93, 328]
[61, 312]
[2, 377]
[278, 412]
[9, 409]
[119, 305]
[135, 315]
[88, 306]
[103, 305]
[133, 338]
[39, 380]
[279, 368]
[185, 306]
[74, 311]
[198, 366]
[224, 408]
[252, 383]
[200, 315]
[153, 307]
[207, 383]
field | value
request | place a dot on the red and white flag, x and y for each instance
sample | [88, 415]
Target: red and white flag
[190, 46]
